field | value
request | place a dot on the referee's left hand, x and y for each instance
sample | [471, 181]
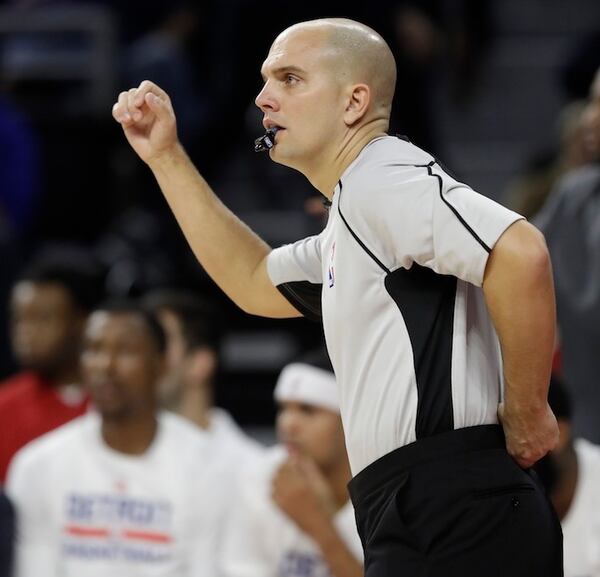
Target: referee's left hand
[530, 434]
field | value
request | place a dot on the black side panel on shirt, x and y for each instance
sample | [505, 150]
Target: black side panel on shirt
[304, 296]
[426, 302]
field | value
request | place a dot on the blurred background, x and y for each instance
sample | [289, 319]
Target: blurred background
[495, 89]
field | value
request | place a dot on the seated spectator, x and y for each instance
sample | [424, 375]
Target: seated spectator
[7, 535]
[192, 331]
[48, 306]
[128, 490]
[570, 221]
[293, 516]
[571, 474]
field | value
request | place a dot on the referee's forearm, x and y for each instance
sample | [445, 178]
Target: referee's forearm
[214, 233]
[230, 252]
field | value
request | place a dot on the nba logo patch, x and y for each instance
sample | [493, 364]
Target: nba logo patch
[331, 270]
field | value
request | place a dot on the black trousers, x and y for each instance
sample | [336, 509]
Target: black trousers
[455, 505]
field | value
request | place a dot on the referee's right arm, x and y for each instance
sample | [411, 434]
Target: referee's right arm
[233, 255]
[519, 293]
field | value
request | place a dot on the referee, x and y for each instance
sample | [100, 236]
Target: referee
[437, 305]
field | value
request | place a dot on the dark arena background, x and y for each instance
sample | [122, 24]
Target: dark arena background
[493, 88]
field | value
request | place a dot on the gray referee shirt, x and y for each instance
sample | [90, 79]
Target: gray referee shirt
[396, 277]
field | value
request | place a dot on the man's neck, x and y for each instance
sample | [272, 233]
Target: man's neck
[130, 436]
[195, 405]
[327, 171]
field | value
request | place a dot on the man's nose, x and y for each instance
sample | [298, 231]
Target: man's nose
[103, 362]
[289, 424]
[266, 100]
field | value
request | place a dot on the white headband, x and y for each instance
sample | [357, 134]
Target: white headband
[307, 384]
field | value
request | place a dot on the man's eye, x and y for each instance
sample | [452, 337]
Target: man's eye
[307, 409]
[290, 79]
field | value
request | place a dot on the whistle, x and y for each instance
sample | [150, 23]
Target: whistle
[266, 141]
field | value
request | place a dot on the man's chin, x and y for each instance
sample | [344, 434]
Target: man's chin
[280, 157]
[111, 412]
[276, 155]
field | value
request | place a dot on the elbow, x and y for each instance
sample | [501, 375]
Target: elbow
[520, 256]
[536, 257]
[253, 307]
[244, 301]
[248, 307]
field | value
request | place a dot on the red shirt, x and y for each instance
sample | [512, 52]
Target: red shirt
[30, 407]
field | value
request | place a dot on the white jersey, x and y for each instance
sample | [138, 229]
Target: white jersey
[581, 525]
[85, 510]
[262, 541]
[396, 277]
[225, 432]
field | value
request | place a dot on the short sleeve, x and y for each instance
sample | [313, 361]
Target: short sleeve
[465, 228]
[295, 269]
[423, 216]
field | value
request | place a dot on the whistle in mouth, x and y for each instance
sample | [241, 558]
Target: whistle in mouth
[266, 141]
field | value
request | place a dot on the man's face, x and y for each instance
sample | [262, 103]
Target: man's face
[311, 431]
[591, 120]
[121, 364]
[302, 95]
[45, 326]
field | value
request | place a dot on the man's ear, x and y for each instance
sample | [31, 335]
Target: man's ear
[200, 367]
[358, 103]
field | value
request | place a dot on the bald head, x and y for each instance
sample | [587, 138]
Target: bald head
[357, 55]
